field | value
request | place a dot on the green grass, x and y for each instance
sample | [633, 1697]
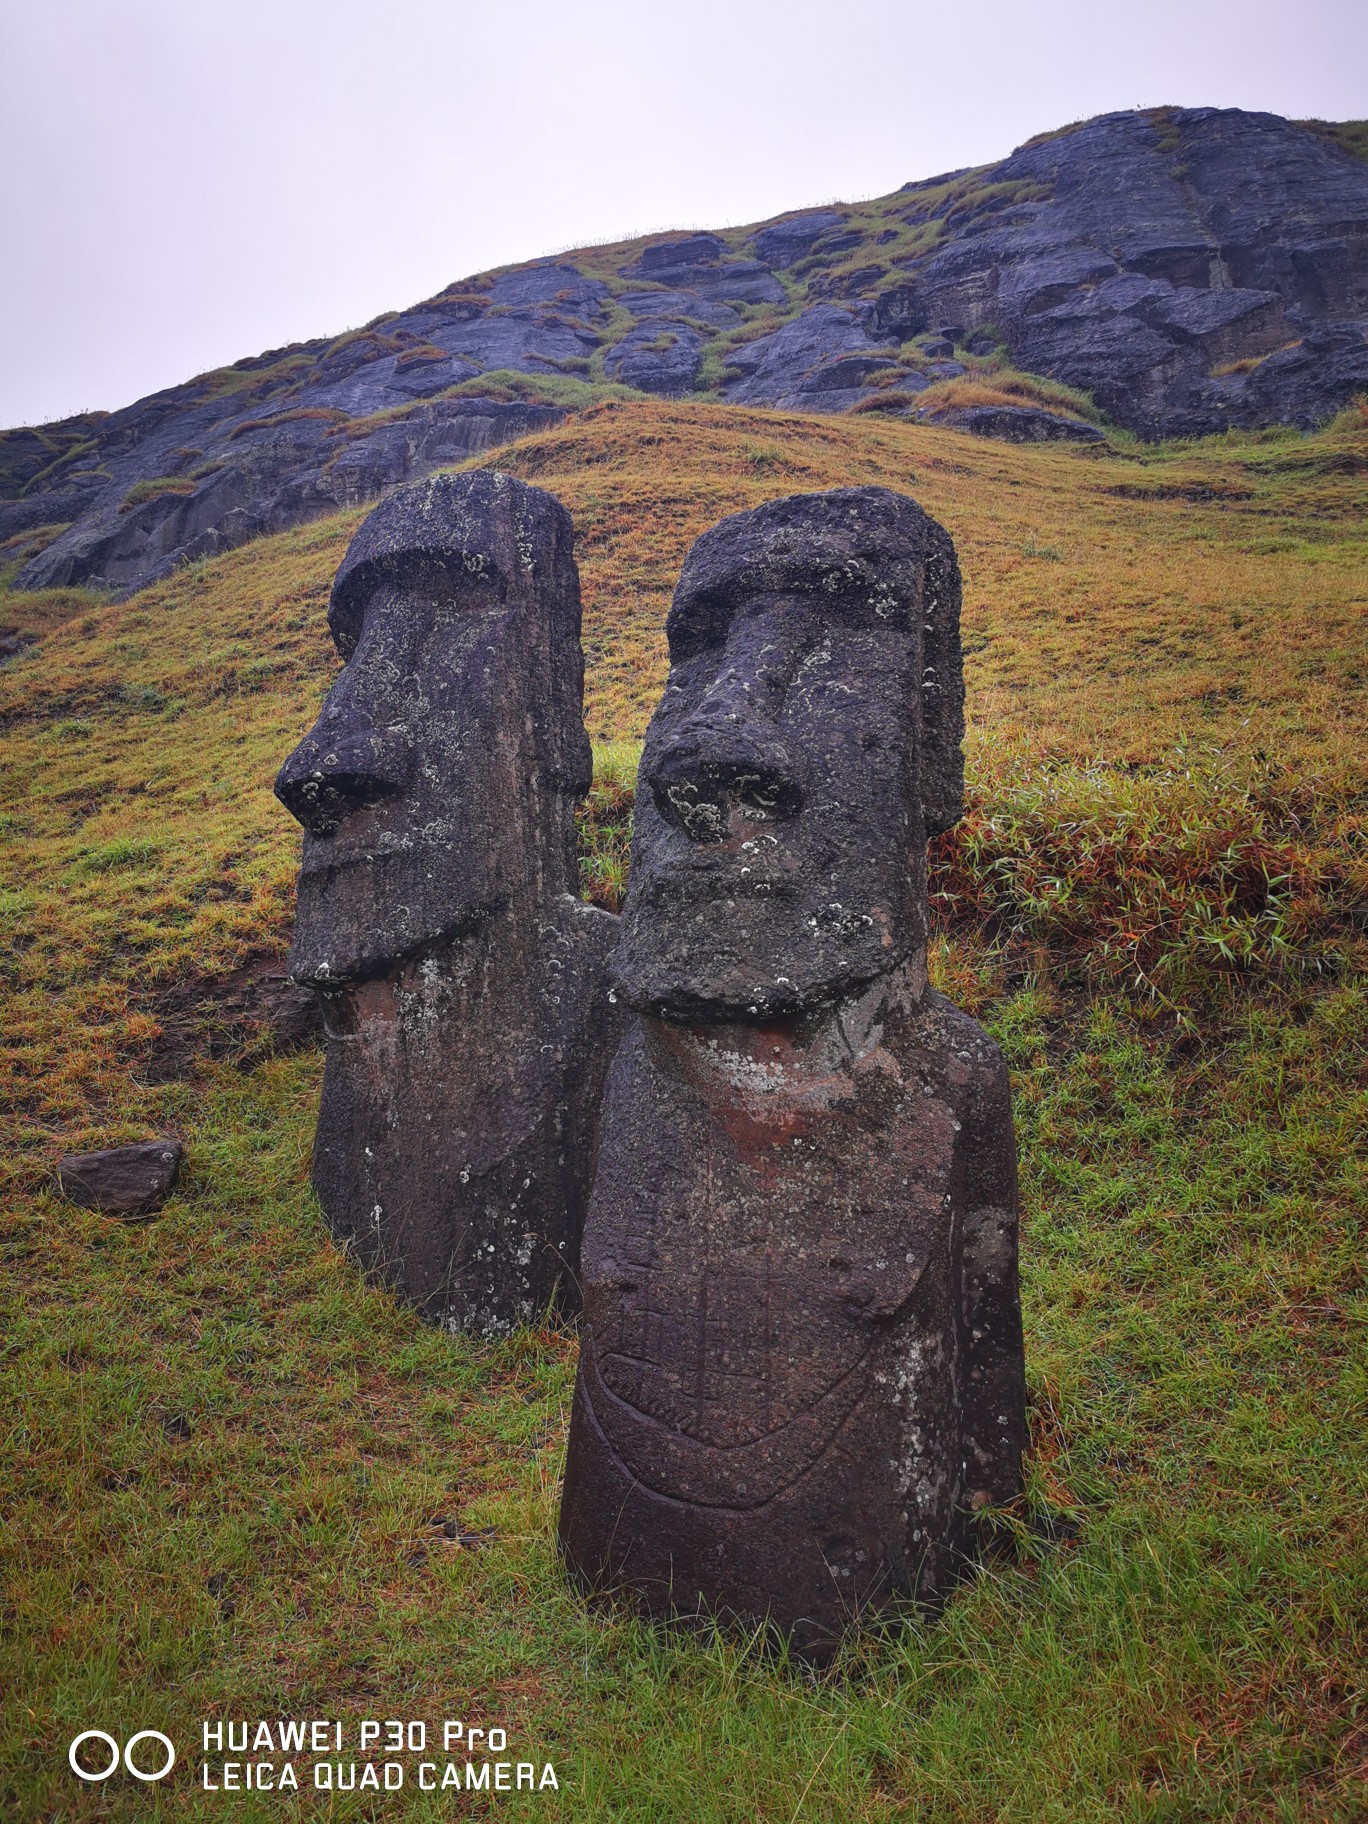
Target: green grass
[572, 391]
[1350, 136]
[239, 1477]
[1192, 1284]
[605, 824]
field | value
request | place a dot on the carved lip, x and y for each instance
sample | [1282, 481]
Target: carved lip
[696, 1000]
[325, 855]
[348, 970]
[706, 876]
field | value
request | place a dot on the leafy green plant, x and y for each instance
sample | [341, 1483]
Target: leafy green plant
[604, 823]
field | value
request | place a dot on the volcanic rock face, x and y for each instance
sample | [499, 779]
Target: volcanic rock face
[784, 243]
[820, 361]
[1018, 424]
[658, 355]
[1190, 268]
[260, 475]
[801, 1363]
[468, 1023]
[1146, 253]
[699, 263]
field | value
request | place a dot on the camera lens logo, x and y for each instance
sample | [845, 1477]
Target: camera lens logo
[124, 1754]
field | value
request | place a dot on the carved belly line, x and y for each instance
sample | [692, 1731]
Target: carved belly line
[710, 1467]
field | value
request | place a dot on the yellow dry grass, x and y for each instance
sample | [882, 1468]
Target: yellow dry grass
[1109, 607]
[1115, 605]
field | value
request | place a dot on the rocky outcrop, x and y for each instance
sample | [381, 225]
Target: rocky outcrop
[698, 263]
[658, 356]
[785, 243]
[818, 362]
[1191, 269]
[682, 306]
[1150, 251]
[269, 475]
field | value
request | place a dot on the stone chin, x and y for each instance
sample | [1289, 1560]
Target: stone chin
[702, 941]
[693, 981]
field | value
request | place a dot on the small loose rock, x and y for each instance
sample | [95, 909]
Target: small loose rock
[128, 1181]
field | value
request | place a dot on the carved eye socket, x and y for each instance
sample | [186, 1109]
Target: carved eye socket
[692, 637]
[697, 623]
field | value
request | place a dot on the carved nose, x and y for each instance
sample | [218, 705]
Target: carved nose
[325, 779]
[705, 777]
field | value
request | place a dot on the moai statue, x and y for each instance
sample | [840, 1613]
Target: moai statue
[462, 978]
[801, 1360]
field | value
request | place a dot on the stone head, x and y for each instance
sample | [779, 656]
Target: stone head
[439, 783]
[806, 746]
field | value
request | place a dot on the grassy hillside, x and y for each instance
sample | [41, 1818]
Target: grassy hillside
[240, 1477]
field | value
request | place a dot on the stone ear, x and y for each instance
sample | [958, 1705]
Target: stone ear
[942, 687]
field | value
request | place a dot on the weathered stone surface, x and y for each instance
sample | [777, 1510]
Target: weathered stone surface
[666, 262]
[801, 1365]
[446, 431]
[846, 371]
[784, 243]
[897, 313]
[744, 282]
[560, 284]
[382, 385]
[772, 369]
[523, 341]
[130, 1181]
[468, 1024]
[1309, 381]
[1016, 424]
[659, 355]
[286, 471]
[701, 263]
[1168, 242]
[47, 509]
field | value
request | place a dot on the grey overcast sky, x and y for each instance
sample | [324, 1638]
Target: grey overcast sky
[183, 182]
